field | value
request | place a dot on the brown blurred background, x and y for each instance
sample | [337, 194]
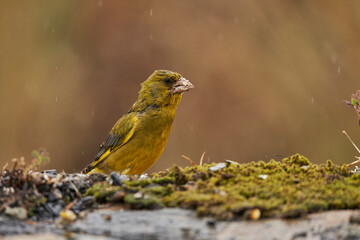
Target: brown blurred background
[270, 76]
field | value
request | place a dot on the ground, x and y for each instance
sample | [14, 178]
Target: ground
[219, 192]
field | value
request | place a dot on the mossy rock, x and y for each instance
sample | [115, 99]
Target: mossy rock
[290, 188]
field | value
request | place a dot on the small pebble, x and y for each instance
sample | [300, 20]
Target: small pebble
[356, 170]
[252, 214]
[50, 172]
[83, 204]
[83, 214]
[124, 177]
[211, 223]
[138, 195]
[355, 218]
[55, 195]
[107, 217]
[68, 215]
[115, 179]
[263, 176]
[231, 162]
[144, 176]
[217, 167]
[118, 196]
[16, 212]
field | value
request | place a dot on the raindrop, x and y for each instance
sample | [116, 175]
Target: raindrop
[253, 19]
[312, 100]
[151, 13]
[52, 30]
[56, 99]
[56, 68]
[339, 70]
[100, 3]
[151, 37]
[236, 20]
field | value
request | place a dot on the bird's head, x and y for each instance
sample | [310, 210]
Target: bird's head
[164, 88]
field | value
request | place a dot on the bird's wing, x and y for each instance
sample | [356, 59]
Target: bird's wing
[119, 135]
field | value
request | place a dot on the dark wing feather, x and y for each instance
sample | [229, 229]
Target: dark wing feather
[110, 142]
[119, 135]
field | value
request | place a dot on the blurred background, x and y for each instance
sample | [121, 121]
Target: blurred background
[270, 77]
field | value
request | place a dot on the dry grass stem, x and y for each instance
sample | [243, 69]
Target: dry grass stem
[202, 159]
[187, 158]
[358, 158]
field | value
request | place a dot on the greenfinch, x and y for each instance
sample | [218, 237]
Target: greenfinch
[139, 137]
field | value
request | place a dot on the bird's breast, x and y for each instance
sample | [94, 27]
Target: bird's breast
[156, 124]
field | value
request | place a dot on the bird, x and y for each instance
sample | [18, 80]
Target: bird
[138, 138]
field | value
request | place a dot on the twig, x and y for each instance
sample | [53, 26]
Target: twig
[202, 159]
[76, 190]
[358, 158]
[344, 132]
[187, 158]
[353, 163]
[5, 166]
[15, 161]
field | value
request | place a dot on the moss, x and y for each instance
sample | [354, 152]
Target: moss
[102, 191]
[161, 191]
[138, 183]
[41, 200]
[293, 211]
[145, 201]
[289, 188]
[297, 159]
[163, 180]
[315, 205]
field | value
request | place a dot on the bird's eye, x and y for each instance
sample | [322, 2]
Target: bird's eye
[167, 80]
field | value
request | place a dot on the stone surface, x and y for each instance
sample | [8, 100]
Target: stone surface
[182, 224]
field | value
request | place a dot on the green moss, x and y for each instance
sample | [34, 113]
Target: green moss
[297, 159]
[293, 211]
[289, 188]
[34, 203]
[41, 200]
[164, 180]
[145, 201]
[161, 191]
[102, 191]
[138, 183]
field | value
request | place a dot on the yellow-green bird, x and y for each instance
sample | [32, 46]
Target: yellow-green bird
[139, 137]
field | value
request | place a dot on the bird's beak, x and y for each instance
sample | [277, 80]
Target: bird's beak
[182, 85]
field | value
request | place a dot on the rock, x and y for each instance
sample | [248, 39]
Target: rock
[114, 179]
[263, 176]
[355, 218]
[231, 162]
[217, 167]
[50, 172]
[252, 214]
[68, 215]
[83, 204]
[55, 195]
[16, 212]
